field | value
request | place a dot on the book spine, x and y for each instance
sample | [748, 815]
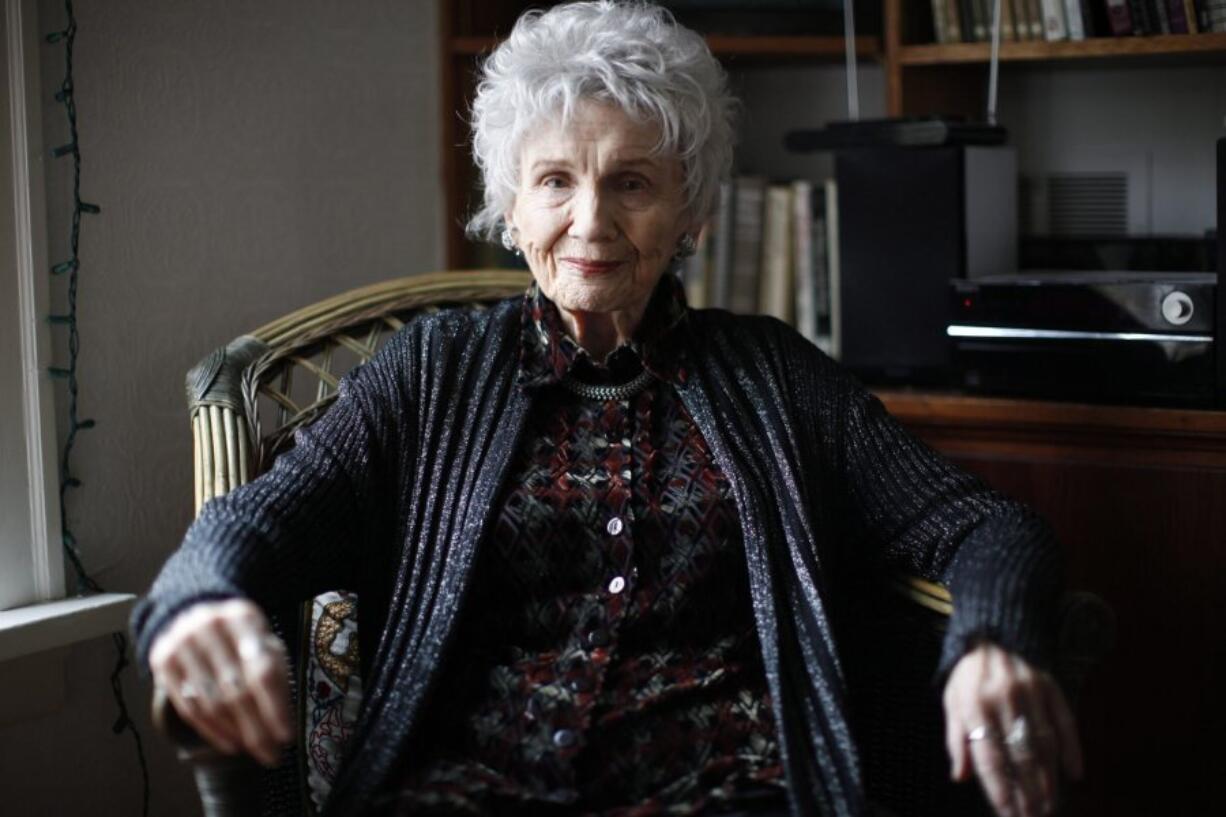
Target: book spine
[940, 26]
[802, 259]
[1217, 14]
[1189, 13]
[1140, 17]
[1202, 15]
[821, 269]
[832, 266]
[1021, 25]
[1157, 13]
[775, 286]
[747, 245]
[980, 9]
[953, 20]
[1054, 25]
[1036, 19]
[1119, 17]
[1076, 26]
[726, 220]
[1088, 22]
[966, 15]
[1008, 26]
[1176, 14]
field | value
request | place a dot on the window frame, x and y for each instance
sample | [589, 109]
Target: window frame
[32, 559]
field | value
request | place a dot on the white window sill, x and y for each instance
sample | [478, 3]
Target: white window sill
[49, 625]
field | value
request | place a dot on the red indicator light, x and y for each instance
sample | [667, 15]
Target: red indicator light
[966, 303]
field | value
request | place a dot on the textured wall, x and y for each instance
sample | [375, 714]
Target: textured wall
[250, 157]
[1157, 123]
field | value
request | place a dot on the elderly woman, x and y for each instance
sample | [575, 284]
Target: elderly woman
[596, 534]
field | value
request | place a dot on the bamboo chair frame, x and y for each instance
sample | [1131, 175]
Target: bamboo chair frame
[260, 373]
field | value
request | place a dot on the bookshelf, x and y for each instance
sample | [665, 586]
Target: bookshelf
[1190, 45]
[925, 77]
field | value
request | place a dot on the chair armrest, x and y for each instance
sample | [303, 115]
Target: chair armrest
[229, 785]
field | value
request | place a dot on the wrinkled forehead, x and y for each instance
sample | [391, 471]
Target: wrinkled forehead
[613, 132]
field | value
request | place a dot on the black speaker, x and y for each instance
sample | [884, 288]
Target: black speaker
[910, 219]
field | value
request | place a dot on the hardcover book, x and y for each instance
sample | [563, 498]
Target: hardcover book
[1119, 16]
[776, 288]
[750, 199]
[1076, 25]
[1055, 26]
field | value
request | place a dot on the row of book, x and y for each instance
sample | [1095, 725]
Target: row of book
[956, 21]
[772, 249]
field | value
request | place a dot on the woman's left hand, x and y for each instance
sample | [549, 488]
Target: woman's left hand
[1011, 723]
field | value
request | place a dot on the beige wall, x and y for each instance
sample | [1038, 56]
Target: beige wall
[250, 156]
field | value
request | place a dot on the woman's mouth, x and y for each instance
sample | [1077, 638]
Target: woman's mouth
[589, 267]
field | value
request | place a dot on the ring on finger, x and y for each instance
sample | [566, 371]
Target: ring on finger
[980, 732]
[188, 691]
[1018, 739]
[208, 689]
[253, 646]
[231, 679]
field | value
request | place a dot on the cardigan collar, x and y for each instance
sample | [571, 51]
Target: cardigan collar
[547, 353]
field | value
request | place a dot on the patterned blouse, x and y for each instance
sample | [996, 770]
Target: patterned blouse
[607, 660]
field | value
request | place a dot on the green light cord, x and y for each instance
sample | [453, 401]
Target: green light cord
[71, 267]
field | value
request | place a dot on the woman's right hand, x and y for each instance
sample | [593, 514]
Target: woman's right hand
[227, 676]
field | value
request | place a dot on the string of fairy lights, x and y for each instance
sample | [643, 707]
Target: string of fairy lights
[71, 268]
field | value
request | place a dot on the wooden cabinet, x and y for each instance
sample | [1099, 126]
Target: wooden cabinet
[1138, 497]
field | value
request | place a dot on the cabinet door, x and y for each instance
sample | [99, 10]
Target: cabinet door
[1143, 516]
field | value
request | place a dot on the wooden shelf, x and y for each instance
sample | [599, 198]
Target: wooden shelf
[1093, 48]
[969, 424]
[800, 47]
[752, 47]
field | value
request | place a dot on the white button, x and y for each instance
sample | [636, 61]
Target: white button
[617, 585]
[1177, 308]
[614, 527]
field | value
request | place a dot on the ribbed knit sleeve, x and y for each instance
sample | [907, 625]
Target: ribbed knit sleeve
[302, 527]
[1000, 561]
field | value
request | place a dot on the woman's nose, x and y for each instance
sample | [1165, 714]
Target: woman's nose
[591, 217]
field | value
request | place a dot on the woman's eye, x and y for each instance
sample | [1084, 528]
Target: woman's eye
[633, 184]
[553, 183]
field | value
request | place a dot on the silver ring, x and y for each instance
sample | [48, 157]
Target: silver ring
[1018, 738]
[251, 647]
[191, 692]
[981, 732]
[231, 679]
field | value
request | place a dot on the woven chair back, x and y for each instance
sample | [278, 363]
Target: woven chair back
[248, 398]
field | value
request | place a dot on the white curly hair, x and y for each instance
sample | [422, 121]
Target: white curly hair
[631, 54]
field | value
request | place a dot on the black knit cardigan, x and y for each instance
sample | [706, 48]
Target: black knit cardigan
[390, 492]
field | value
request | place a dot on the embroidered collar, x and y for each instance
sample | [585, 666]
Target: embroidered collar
[548, 353]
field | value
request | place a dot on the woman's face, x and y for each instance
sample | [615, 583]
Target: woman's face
[598, 215]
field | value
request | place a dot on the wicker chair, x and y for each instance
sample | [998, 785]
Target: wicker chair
[247, 398]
